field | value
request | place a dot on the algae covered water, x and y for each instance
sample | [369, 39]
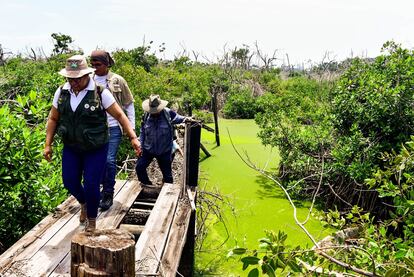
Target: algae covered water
[255, 202]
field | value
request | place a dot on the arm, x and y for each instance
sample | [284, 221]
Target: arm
[176, 118]
[119, 115]
[51, 125]
[130, 111]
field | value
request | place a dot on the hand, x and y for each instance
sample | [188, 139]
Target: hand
[189, 119]
[47, 153]
[137, 146]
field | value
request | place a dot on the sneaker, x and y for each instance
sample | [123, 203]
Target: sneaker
[106, 201]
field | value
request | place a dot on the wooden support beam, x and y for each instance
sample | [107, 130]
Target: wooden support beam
[144, 204]
[208, 128]
[133, 229]
[205, 150]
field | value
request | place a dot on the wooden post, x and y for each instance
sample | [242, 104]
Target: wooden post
[106, 252]
[215, 112]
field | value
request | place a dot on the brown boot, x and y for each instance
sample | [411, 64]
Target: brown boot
[91, 225]
[82, 216]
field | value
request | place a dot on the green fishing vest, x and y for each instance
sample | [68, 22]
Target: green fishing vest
[86, 128]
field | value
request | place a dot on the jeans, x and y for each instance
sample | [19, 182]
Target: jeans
[88, 165]
[164, 162]
[115, 136]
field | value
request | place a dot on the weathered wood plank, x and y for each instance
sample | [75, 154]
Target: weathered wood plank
[176, 240]
[38, 236]
[53, 246]
[108, 219]
[112, 217]
[152, 241]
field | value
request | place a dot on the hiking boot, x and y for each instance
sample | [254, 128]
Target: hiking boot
[106, 201]
[82, 216]
[90, 225]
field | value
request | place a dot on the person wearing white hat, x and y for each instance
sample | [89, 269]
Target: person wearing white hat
[78, 116]
[156, 138]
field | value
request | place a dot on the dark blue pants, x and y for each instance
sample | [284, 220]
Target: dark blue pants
[164, 162]
[115, 136]
[89, 166]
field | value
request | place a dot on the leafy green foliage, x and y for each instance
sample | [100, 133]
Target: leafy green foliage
[240, 104]
[30, 186]
[272, 257]
[396, 181]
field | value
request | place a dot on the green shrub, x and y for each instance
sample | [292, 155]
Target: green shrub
[240, 104]
[204, 116]
[30, 186]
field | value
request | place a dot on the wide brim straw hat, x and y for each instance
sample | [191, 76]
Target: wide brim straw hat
[76, 66]
[154, 104]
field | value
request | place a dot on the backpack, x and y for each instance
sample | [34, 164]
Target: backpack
[166, 115]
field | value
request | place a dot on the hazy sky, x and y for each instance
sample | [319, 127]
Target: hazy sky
[305, 29]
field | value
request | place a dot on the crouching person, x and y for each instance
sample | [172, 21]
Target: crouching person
[78, 115]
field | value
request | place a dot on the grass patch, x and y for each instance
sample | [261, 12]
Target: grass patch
[258, 204]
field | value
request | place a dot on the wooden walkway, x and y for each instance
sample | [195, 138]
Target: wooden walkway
[45, 250]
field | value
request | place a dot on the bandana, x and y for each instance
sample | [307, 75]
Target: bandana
[103, 57]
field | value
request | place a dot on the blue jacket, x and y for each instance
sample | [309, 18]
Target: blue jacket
[156, 134]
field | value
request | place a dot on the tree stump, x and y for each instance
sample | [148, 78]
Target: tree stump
[106, 252]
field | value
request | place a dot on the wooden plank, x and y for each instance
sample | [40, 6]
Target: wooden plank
[108, 219]
[176, 240]
[113, 217]
[153, 239]
[49, 254]
[38, 236]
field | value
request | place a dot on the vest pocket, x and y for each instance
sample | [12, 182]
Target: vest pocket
[96, 136]
[62, 131]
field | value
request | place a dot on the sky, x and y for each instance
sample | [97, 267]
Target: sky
[303, 30]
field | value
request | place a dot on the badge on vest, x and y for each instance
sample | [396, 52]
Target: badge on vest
[86, 106]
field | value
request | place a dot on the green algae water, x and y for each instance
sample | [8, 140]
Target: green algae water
[256, 202]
